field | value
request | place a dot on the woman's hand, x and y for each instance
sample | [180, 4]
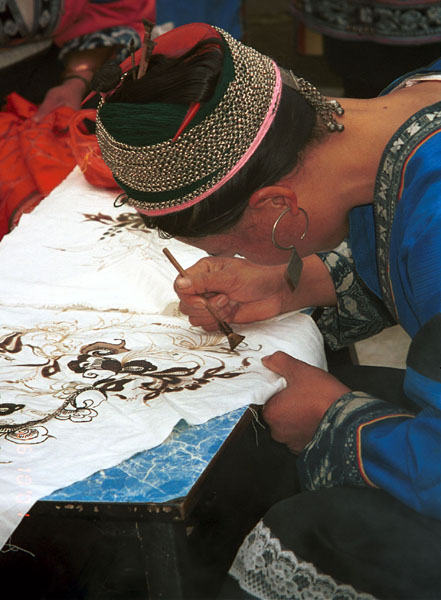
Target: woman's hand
[69, 93]
[294, 414]
[80, 67]
[243, 292]
[239, 291]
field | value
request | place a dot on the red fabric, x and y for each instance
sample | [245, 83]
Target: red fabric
[82, 16]
[87, 152]
[34, 157]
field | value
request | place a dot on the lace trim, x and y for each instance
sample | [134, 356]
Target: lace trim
[268, 572]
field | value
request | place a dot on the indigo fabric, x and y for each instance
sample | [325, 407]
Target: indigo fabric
[392, 273]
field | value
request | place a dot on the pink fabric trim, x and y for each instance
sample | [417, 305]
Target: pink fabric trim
[252, 148]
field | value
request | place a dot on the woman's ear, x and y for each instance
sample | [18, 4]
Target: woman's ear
[274, 196]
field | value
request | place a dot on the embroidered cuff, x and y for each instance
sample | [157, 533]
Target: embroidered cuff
[359, 314]
[333, 457]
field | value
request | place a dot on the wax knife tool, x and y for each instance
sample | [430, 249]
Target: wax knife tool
[234, 339]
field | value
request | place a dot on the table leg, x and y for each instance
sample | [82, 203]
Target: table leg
[165, 548]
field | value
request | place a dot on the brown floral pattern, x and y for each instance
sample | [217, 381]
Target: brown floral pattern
[59, 378]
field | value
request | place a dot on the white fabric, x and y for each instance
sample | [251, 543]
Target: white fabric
[96, 362]
[415, 79]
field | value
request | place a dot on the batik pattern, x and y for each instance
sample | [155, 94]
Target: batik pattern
[83, 390]
[56, 376]
[332, 458]
[358, 314]
[401, 22]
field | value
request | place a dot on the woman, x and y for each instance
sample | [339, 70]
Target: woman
[218, 146]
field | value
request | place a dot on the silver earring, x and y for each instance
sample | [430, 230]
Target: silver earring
[277, 221]
[295, 264]
[323, 107]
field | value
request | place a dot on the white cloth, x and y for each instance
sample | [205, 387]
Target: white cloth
[96, 362]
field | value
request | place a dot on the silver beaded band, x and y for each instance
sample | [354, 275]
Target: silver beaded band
[323, 107]
[211, 147]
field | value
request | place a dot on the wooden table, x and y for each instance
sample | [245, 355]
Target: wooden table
[165, 524]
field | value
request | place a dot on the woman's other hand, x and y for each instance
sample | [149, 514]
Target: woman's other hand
[294, 414]
[69, 93]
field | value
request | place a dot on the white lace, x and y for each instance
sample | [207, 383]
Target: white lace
[266, 571]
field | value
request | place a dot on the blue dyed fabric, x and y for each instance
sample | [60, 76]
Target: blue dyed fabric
[390, 271]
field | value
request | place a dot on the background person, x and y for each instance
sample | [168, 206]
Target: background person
[50, 51]
[369, 44]
[49, 54]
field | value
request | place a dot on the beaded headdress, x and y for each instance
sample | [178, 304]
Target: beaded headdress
[161, 173]
[168, 176]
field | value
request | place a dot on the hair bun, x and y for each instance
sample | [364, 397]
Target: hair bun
[107, 77]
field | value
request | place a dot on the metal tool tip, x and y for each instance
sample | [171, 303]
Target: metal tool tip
[234, 340]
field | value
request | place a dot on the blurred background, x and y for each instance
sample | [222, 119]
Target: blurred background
[267, 25]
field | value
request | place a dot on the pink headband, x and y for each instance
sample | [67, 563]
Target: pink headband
[266, 124]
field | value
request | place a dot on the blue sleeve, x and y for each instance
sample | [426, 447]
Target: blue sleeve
[365, 441]
[404, 458]
[359, 313]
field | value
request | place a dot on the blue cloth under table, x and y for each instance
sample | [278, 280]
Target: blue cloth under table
[160, 474]
[164, 524]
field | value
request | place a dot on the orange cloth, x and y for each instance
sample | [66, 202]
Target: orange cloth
[87, 153]
[36, 157]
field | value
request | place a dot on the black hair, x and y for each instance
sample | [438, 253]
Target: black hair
[193, 77]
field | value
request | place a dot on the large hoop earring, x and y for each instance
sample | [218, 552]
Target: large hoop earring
[277, 221]
[295, 264]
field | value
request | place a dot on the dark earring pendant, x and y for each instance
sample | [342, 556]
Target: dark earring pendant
[294, 269]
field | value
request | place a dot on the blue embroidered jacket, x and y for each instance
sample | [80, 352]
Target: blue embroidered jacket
[390, 271]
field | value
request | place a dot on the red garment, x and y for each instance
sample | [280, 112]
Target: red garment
[34, 157]
[87, 152]
[81, 17]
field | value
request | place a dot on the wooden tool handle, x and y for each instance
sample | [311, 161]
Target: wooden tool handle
[233, 338]
[174, 262]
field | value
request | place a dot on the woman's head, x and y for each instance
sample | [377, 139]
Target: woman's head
[248, 133]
